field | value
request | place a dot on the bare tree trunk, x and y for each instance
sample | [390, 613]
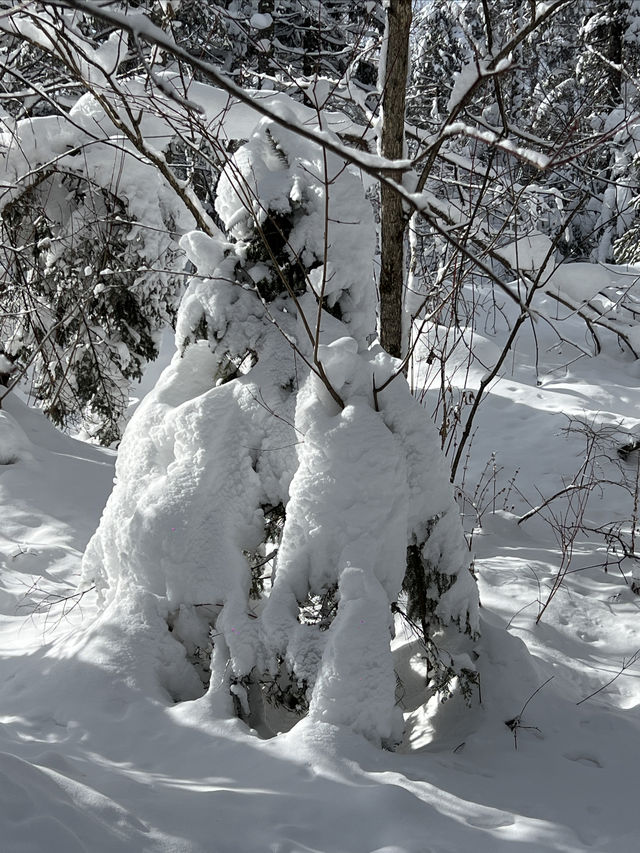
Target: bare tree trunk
[394, 220]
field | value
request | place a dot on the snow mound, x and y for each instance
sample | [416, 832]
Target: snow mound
[45, 810]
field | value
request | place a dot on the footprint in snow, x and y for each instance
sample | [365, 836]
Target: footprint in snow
[587, 637]
[587, 760]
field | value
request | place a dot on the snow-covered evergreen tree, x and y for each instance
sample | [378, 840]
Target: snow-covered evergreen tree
[91, 271]
[90, 266]
[267, 432]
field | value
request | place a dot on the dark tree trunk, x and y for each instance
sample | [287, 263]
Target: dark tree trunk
[394, 221]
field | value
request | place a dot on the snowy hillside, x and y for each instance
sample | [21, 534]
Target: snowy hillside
[90, 763]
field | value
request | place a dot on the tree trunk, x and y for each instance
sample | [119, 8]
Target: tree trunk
[394, 84]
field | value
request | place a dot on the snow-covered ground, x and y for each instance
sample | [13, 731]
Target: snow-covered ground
[90, 763]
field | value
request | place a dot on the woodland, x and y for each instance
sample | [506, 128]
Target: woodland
[319, 427]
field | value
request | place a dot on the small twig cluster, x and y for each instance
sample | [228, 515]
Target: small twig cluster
[55, 607]
[565, 511]
[489, 495]
[515, 724]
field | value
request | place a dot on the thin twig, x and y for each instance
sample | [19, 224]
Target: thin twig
[625, 666]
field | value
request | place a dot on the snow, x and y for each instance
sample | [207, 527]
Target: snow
[202, 465]
[581, 281]
[355, 684]
[261, 22]
[464, 81]
[530, 254]
[117, 576]
[14, 444]
[91, 761]
[184, 507]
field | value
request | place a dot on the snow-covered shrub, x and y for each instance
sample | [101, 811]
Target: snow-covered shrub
[266, 432]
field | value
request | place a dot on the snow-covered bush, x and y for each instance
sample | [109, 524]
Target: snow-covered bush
[278, 426]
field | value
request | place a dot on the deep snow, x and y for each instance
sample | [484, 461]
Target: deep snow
[90, 762]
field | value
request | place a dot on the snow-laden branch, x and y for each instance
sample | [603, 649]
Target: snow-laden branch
[529, 155]
[141, 28]
[475, 75]
[283, 111]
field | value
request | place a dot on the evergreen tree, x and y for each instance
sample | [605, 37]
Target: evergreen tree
[309, 442]
[90, 265]
[285, 39]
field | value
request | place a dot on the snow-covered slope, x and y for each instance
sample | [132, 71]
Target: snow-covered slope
[90, 763]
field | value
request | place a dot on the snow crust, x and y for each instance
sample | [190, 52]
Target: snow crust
[533, 253]
[14, 444]
[604, 294]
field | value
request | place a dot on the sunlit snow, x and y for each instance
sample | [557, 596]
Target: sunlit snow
[92, 761]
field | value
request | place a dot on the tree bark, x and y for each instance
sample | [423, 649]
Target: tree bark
[393, 218]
